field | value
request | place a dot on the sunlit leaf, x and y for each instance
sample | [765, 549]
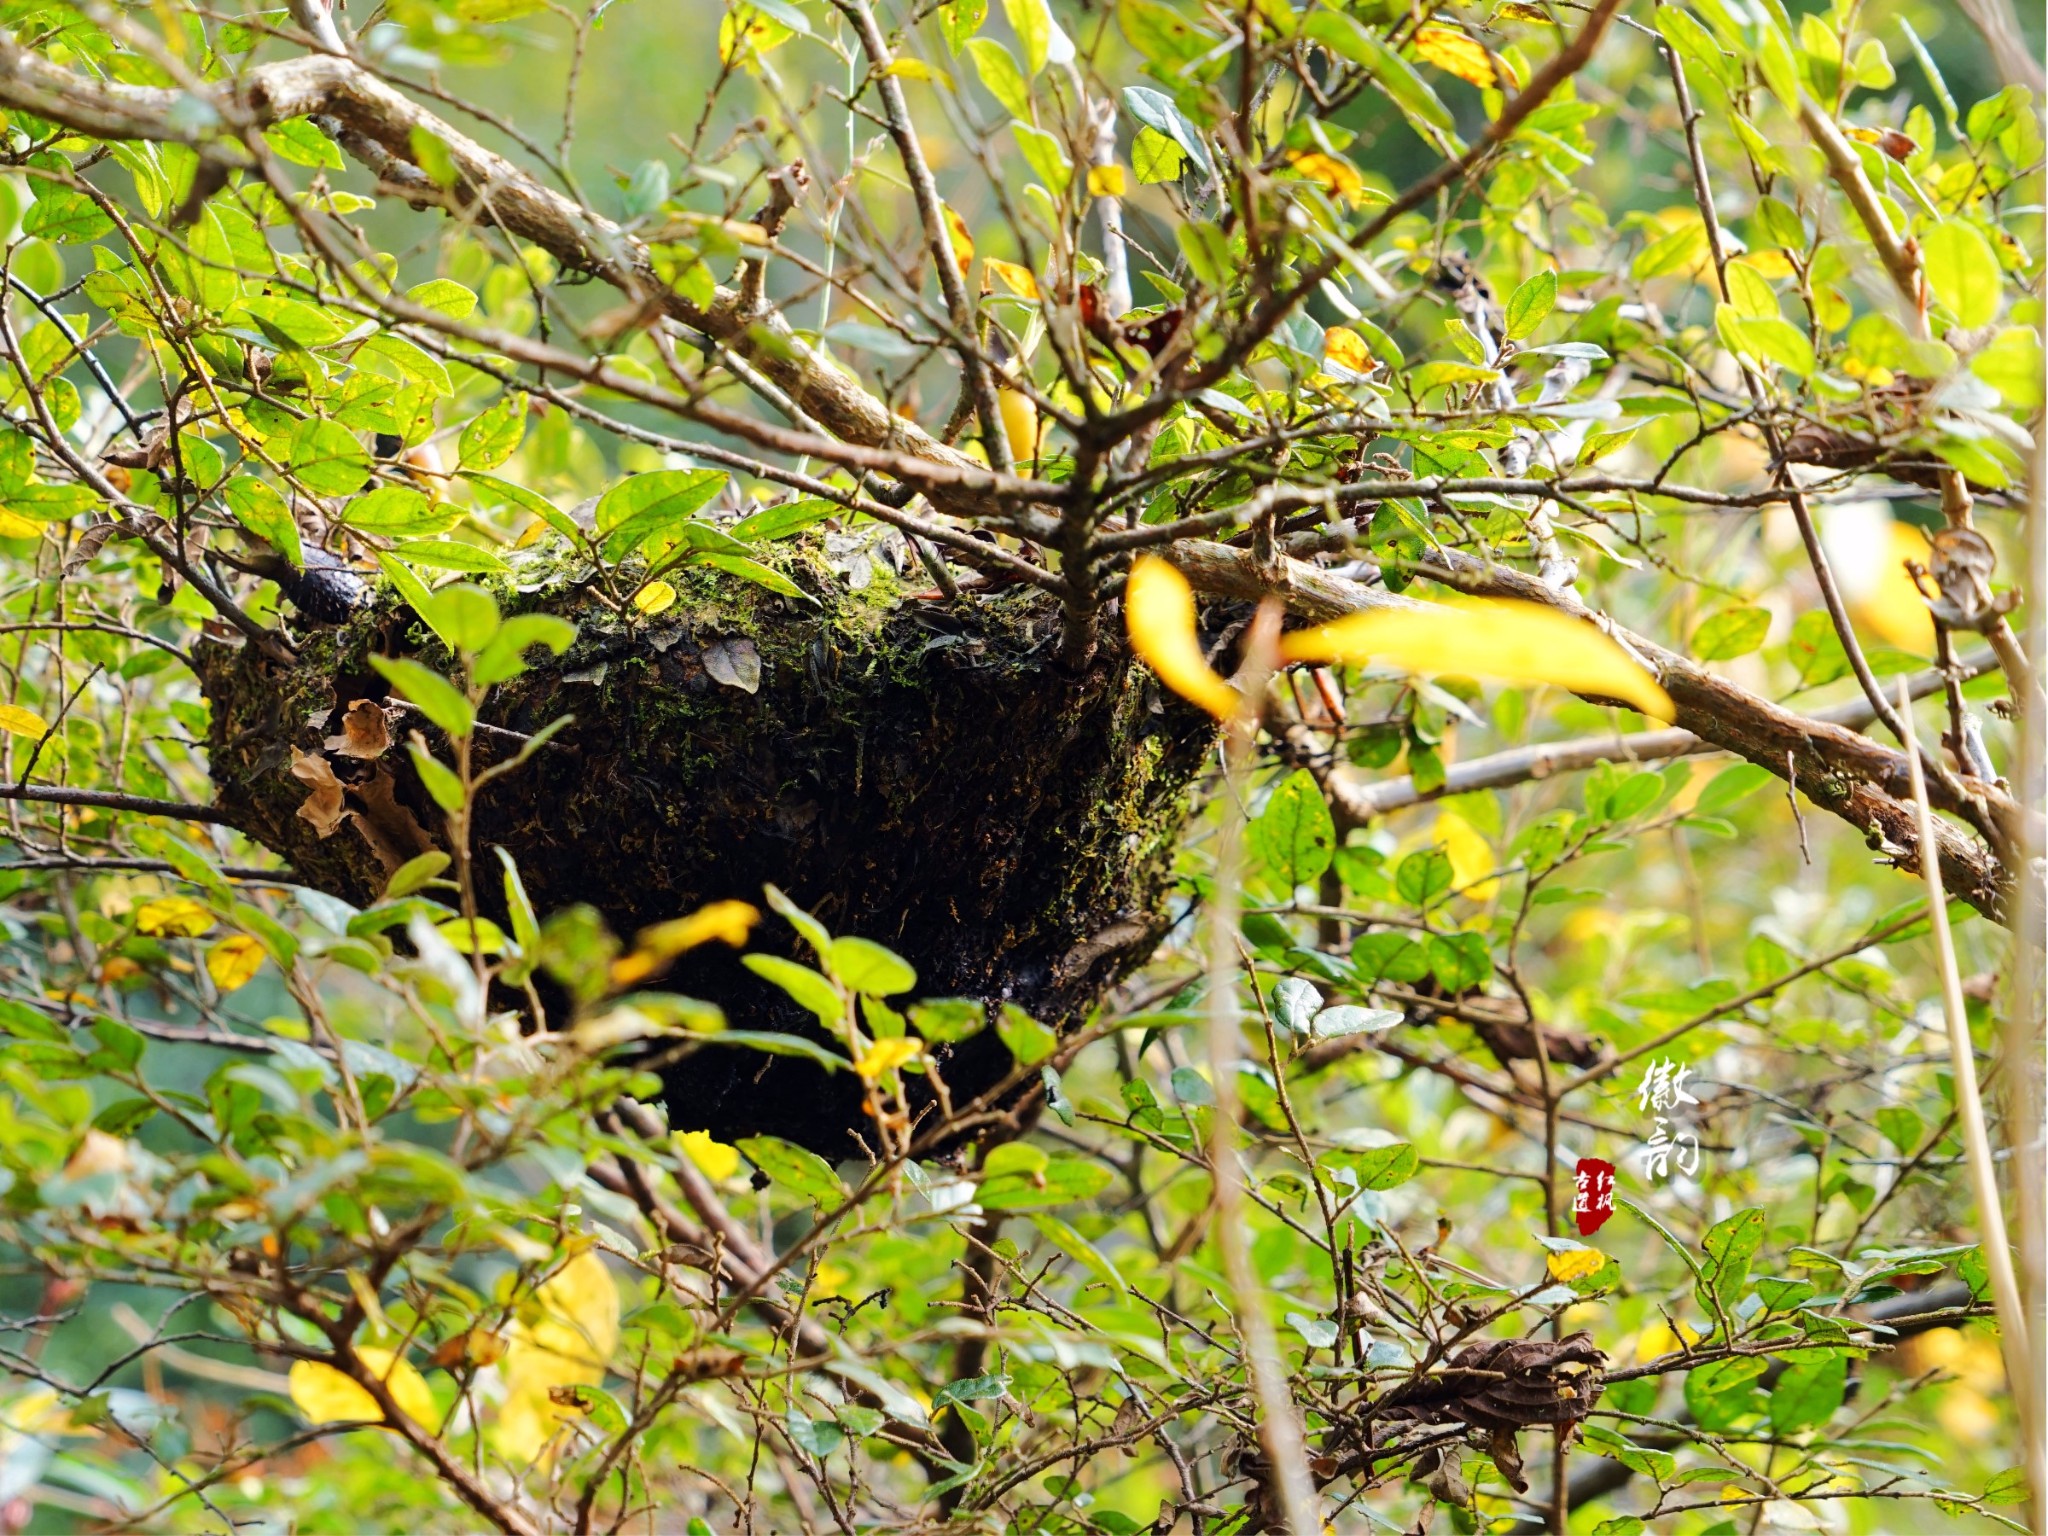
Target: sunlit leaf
[1498, 638]
[1159, 611]
[327, 1396]
[17, 721]
[1456, 54]
[173, 917]
[234, 961]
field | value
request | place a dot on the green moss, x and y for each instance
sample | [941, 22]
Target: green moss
[919, 773]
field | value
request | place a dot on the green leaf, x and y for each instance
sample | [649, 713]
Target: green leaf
[65, 216]
[1396, 78]
[1733, 783]
[449, 555]
[1063, 1181]
[1962, 271]
[1043, 154]
[1731, 632]
[1729, 1246]
[504, 492]
[793, 1168]
[292, 323]
[466, 615]
[959, 20]
[444, 297]
[867, 967]
[1000, 76]
[413, 590]
[1723, 1393]
[325, 457]
[1385, 1167]
[1155, 109]
[1294, 836]
[1080, 1250]
[493, 437]
[1683, 250]
[437, 698]
[642, 508]
[820, 1437]
[948, 1018]
[2008, 1487]
[782, 521]
[1812, 1388]
[1779, 67]
[1155, 157]
[802, 983]
[1037, 33]
[1529, 304]
[415, 873]
[2011, 364]
[1424, 876]
[753, 570]
[813, 932]
[1030, 1042]
[399, 512]
[258, 507]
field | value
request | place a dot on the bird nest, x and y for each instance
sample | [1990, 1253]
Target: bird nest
[917, 772]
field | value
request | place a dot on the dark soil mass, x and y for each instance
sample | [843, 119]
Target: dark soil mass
[913, 772]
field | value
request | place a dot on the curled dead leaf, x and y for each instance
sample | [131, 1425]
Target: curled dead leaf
[365, 731]
[392, 831]
[324, 806]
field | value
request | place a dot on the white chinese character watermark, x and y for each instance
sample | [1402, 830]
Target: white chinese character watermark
[1663, 1089]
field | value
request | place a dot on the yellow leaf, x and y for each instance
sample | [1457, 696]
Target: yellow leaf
[1347, 349]
[963, 242]
[173, 917]
[526, 1422]
[573, 1329]
[564, 1339]
[1013, 277]
[744, 34]
[15, 526]
[1020, 424]
[234, 961]
[727, 921]
[1769, 262]
[1890, 604]
[324, 1395]
[714, 1159]
[1159, 612]
[1508, 641]
[1108, 181]
[1338, 177]
[909, 69]
[1576, 1264]
[21, 722]
[1456, 54]
[1470, 854]
[1516, 10]
[886, 1056]
[1658, 1340]
[653, 598]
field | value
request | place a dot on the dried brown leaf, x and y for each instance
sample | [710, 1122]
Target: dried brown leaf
[365, 731]
[324, 806]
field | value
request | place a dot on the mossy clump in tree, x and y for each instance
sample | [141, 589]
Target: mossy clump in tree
[919, 773]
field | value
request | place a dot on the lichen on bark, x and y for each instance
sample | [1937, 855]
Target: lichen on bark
[916, 772]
